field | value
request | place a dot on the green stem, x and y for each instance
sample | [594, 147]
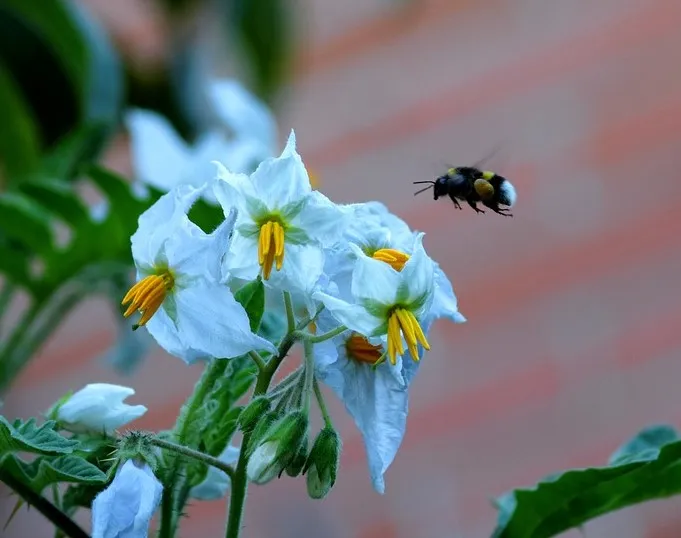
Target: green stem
[58, 518]
[194, 454]
[309, 375]
[257, 359]
[239, 484]
[169, 516]
[290, 316]
[316, 339]
[322, 405]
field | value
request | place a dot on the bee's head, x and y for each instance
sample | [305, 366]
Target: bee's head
[441, 187]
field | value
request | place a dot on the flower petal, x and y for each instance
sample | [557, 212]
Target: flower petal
[378, 403]
[160, 222]
[243, 112]
[417, 280]
[212, 321]
[159, 155]
[444, 301]
[353, 316]
[282, 180]
[321, 219]
[374, 281]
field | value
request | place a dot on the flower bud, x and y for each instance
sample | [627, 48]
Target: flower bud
[322, 464]
[278, 447]
[251, 414]
[98, 407]
[297, 464]
[261, 428]
[127, 505]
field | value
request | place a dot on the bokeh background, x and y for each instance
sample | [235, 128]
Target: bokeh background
[573, 340]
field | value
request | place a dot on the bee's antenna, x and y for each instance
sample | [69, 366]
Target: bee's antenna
[417, 182]
[424, 189]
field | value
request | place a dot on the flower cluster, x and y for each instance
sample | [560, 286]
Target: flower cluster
[352, 282]
[378, 290]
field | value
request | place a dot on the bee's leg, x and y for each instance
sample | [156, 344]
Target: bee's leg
[504, 211]
[472, 204]
[456, 202]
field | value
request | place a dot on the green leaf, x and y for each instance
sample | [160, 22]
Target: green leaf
[29, 437]
[76, 62]
[25, 221]
[252, 297]
[263, 30]
[19, 145]
[45, 471]
[647, 467]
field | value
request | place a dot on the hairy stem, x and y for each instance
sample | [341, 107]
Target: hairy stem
[194, 454]
[290, 316]
[58, 518]
[316, 339]
[309, 375]
[257, 359]
[322, 405]
[239, 484]
[169, 508]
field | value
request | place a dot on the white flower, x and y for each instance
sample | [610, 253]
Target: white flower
[162, 159]
[375, 397]
[216, 483]
[99, 407]
[385, 237]
[282, 223]
[183, 304]
[125, 508]
[387, 302]
[250, 120]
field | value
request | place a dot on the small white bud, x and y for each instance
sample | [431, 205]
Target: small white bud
[126, 507]
[99, 407]
[264, 465]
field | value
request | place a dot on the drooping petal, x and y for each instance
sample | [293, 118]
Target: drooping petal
[374, 281]
[282, 180]
[377, 401]
[126, 506]
[444, 301]
[210, 320]
[243, 112]
[353, 316]
[159, 155]
[242, 259]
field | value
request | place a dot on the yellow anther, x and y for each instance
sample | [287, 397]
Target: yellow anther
[395, 258]
[147, 296]
[359, 349]
[270, 247]
[402, 322]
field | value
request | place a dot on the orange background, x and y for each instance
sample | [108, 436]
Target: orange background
[573, 340]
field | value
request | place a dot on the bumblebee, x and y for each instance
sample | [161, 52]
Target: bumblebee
[471, 185]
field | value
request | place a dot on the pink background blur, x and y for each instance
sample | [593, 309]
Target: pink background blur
[573, 340]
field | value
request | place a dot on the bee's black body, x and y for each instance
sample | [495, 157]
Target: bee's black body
[472, 185]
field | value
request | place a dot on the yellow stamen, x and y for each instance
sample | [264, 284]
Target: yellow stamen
[359, 349]
[402, 322]
[270, 247]
[395, 258]
[312, 327]
[147, 295]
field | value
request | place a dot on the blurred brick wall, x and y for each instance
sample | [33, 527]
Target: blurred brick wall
[572, 343]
